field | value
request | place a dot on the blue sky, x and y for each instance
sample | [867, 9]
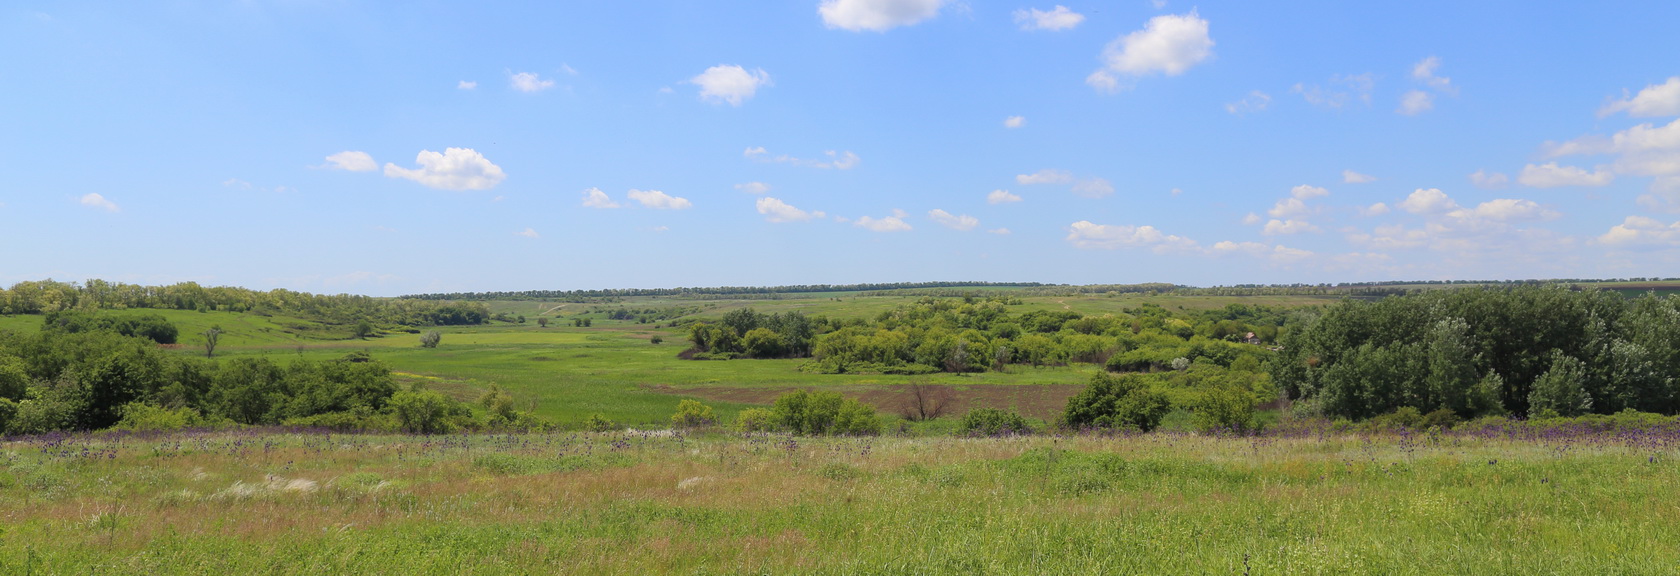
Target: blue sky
[391, 148]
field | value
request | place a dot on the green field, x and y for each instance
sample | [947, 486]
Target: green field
[638, 503]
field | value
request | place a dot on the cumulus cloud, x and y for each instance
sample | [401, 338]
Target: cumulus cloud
[1377, 209]
[1014, 122]
[1045, 176]
[753, 187]
[1351, 177]
[730, 83]
[1059, 18]
[1305, 191]
[1424, 71]
[894, 223]
[999, 231]
[1640, 230]
[659, 200]
[1278, 254]
[528, 233]
[1664, 195]
[1416, 102]
[527, 82]
[1285, 227]
[952, 221]
[834, 160]
[97, 201]
[1489, 180]
[1169, 44]
[1255, 101]
[1645, 150]
[1341, 90]
[1550, 175]
[595, 198]
[1251, 219]
[1428, 200]
[1505, 210]
[466, 85]
[1093, 188]
[876, 15]
[354, 161]
[453, 169]
[1001, 197]
[1084, 234]
[1655, 100]
[775, 210]
[1288, 208]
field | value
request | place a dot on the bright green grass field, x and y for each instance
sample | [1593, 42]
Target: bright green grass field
[638, 503]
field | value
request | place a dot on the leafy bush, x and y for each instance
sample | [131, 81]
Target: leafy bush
[14, 380]
[1124, 402]
[599, 423]
[1227, 409]
[755, 420]
[993, 422]
[428, 412]
[8, 410]
[806, 412]
[1402, 417]
[430, 339]
[693, 414]
[358, 419]
[1442, 418]
[45, 409]
[139, 416]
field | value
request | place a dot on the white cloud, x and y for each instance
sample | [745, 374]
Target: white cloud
[1278, 254]
[1664, 195]
[1014, 122]
[595, 198]
[1001, 197]
[1084, 234]
[1045, 176]
[1093, 188]
[454, 169]
[1655, 100]
[1424, 71]
[659, 200]
[1640, 230]
[1000, 231]
[1550, 175]
[1288, 208]
[1251, 219]
[1427, 201]
[1351, 177]
[1391, 237]
[775, 210]
[1176, 191]
[354, 161]
[952, 221]
[1505, 210]
[1377, 209]
[95, 200]
[894, 223]
[1416, 102]
[528, 233]
[528, 82]
[836, 160]
[1343, 90]
[1169, 44]
[1644, 150]
[568, 69]
[1282, 227]
[1304, 192]
[1059, 18]
[466, 85]
[1489, 180]
[753, 187]
[876, 15]
[1255, 101]
[730, 83]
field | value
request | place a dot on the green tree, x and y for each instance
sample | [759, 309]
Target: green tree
[693, 414]
[427, 412]
[430, 339]
[211, 336]
[1561, 390]
[1124, 401]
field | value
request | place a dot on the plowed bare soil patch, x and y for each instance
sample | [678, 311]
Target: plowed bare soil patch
[1032, 400]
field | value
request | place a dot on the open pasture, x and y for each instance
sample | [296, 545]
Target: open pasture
[1307, 502]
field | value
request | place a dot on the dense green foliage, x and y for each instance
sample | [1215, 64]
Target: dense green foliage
[993, 422]
[48, 296]
[1526, 350]
[816, 413]
[750, 334]
[586, 295]
[1124, 402]
[151, 326]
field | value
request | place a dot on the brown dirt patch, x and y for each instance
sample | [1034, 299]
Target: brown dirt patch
[1032, 400]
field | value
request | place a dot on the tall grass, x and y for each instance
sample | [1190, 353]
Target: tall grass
[1316, 502]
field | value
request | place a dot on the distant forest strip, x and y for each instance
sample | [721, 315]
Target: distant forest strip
[962, 289]
[743, 291]
[48, 296]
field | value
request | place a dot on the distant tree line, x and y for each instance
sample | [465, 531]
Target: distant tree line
[47, 296]
[587, 295]
[1521, 350]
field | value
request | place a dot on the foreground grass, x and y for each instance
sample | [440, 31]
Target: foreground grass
[661, 503]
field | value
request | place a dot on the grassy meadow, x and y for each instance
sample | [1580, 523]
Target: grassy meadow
[713, 503]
